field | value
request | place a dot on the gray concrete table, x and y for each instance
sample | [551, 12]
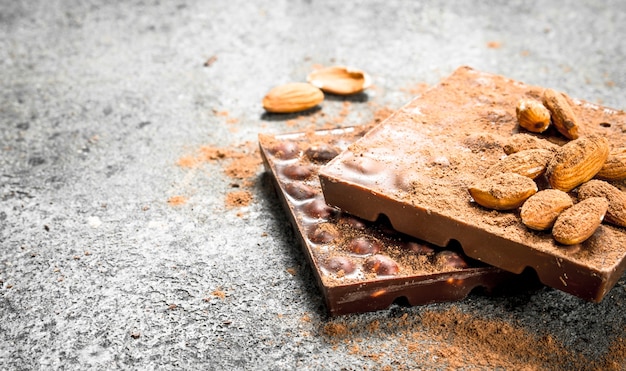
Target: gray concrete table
[99, 101]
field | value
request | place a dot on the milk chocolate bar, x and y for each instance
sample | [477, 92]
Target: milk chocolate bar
[415, 168]
[362, 266]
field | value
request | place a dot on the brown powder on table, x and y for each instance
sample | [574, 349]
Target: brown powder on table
[451, 339]
[240, 163]
[177, 200]
[238, 199]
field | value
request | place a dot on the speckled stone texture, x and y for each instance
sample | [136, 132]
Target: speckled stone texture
[98, 101]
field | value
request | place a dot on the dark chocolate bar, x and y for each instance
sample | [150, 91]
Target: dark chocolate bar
[362, 266]
[416, 167]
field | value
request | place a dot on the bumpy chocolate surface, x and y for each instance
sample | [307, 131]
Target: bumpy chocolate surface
[362, 266]
[416, 167]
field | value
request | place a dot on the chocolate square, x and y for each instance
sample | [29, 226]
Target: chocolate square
[362, 266]
[415, 168]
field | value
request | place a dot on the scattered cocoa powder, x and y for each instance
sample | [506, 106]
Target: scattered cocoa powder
[177, 200]
[240, 163]
[452, 339]
[238, 199]
[219, 294]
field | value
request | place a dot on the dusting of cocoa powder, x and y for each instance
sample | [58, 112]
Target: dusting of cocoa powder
[451, 339]
[240, 163]
[177, 200]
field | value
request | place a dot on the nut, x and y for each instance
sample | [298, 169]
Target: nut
[292, 97]
[382, 265]
[339, 80]
[614, 168]
[616, 214]
[563, 116]
[580, 221]
[530, 163]
[504, 191]
[522, 141]
[577, 162]
[532, 115]
[540, 211]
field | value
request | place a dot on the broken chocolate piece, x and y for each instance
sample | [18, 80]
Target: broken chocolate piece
[362, 266]
[415, 168]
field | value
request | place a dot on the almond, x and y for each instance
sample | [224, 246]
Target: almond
[522, 141]
[504, 191]
[563, 116]
[530, 163]
[292, 97]
[577, 162]
[540, 211]
[616, 214]
[339, 80]
[615, 166]
[580, 221]
[532, 115]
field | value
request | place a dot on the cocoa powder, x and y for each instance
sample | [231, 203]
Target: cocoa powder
[448, 338]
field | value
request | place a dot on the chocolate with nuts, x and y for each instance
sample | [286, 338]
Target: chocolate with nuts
[417, 166]
[362, 266]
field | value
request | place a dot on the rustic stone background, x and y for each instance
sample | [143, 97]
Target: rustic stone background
[99, 101]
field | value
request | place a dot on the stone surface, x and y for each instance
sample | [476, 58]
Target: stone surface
[98, 102]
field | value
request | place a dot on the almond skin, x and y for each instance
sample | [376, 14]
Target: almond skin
[292, 97]
[563, 116]
[580, 221]
[504, 191]
[339, 80]
[523, 141]
[532, 115]
[541, 210]
[616, 214]
[530, 163]
[577, 162]
[614, 168]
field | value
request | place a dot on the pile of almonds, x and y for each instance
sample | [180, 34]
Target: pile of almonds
[586, 164]
[301, 96]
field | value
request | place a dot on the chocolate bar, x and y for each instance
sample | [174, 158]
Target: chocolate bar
[362, 266]
[415, 168]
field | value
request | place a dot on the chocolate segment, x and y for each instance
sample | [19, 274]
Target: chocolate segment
[362, 266]
[416, 168]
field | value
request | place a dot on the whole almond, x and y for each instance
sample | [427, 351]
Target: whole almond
[530, 163]
[616, 214]
[532, 115]
[339, 80]
[540, 211]
[292, 97]
[580, 221]
[577, 162]
[504, 191]
[563, 116]
[614, 168]
[523, 141]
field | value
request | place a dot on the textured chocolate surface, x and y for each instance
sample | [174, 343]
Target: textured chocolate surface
[362, 266]
[416, 167]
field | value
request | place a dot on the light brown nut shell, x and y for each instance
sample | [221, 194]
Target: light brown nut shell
[563, 116]
[504, 191]
[339, 80]
[530, 163]
[577, 162]
[532, 115]
[523, 141]
[292, 97]
[580, 221]
[614, 168]
[616, 213]
[540, 211]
